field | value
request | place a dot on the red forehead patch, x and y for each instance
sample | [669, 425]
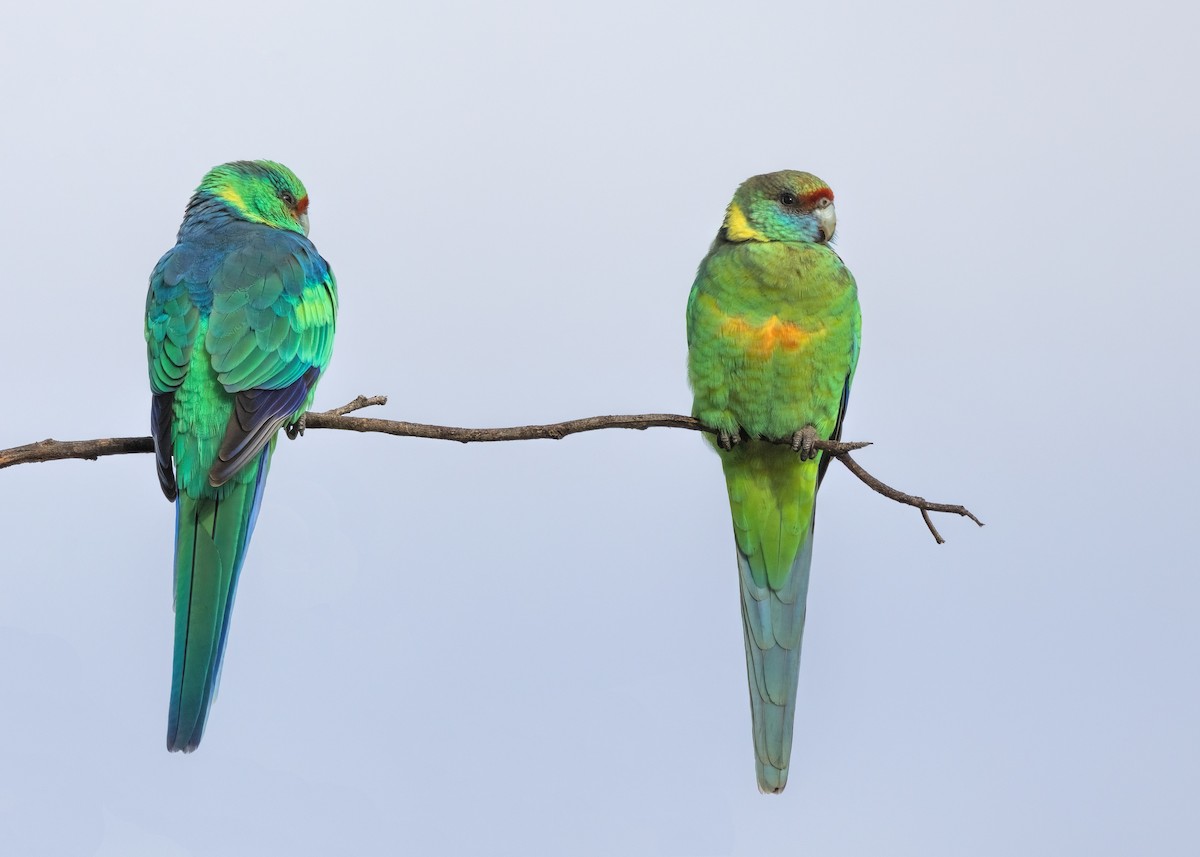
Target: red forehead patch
[302, 205]
[815, 196]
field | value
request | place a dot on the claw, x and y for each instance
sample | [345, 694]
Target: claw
[728, 441]
[296, 429]
[802, 442]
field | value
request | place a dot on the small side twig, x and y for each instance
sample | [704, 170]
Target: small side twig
[358, 404]
[907, 499]
[929, 523]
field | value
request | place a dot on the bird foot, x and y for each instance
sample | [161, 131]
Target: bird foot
[296, 429]
[728, 441]
[802, 442]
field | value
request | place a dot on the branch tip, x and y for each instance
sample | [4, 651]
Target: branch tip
[929, 523]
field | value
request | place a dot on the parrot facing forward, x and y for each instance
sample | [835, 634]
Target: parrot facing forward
[773, 329]
[239, 327]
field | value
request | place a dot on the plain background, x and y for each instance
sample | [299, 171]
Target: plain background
[535, 648]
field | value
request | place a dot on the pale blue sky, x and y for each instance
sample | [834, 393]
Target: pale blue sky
[535, 648]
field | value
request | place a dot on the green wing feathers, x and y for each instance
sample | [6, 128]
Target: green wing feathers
[272, 317]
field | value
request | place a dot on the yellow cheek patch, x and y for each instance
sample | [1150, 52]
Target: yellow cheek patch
[737, 228]
[235, 199]
[232, 197]
[762, 341]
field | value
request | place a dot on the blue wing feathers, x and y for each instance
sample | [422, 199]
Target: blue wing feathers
[257, 415]
[161, 406]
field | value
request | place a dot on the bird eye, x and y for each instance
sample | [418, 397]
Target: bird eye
[288, 199]
[787, 198]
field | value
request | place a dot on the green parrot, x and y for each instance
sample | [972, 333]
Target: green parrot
[773, 328]
[239, 328]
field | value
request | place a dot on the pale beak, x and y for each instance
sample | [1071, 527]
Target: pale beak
[827, 220]
[304, 222]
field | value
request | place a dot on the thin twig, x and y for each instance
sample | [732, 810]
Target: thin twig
[54, 450]
[929, 523]
[357, 405]
[907, 499]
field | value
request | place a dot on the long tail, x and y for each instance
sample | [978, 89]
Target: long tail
[772, 495]
[211, 536]
[773, 624]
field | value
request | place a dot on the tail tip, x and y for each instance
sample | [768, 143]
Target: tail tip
[177, 743]
[771, 780]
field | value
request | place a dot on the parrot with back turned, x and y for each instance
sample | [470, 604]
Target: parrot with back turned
[239, 328]
[773, 329]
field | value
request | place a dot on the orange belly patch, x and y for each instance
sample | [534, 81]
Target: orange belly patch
[762, 341]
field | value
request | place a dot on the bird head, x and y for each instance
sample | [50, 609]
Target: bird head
[261, 192]
[783, 206]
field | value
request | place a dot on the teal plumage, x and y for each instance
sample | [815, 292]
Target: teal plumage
[239, 328]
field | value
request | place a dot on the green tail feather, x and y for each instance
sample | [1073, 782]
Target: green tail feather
[773, 624]
[210, 546]
[772, 496]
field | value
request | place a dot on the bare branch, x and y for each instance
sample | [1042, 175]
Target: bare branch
[549, 431]
[337, 418]
[53, 450]
[907, 499]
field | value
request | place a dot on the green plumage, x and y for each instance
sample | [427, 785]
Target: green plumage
[239, 328]
[211, 546]
[773, 332]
